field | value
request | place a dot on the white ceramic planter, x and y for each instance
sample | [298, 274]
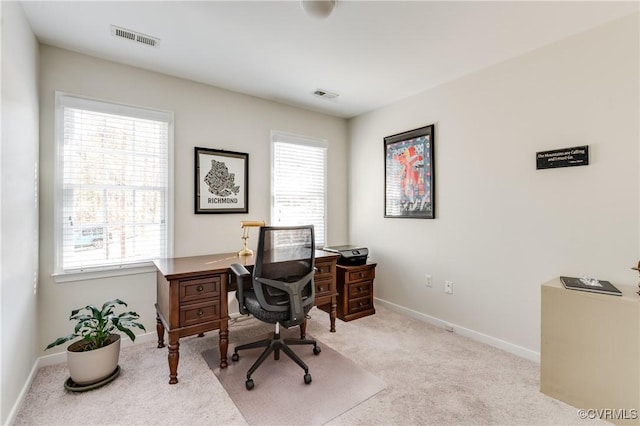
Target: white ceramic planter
[93, 366]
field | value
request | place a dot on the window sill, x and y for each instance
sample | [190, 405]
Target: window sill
[94, 274]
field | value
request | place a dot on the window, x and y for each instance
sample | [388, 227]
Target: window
[298, 182]
[112, 201]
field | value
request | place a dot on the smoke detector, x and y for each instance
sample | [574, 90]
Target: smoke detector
[134, 36]
[325, 94]
[318, 8]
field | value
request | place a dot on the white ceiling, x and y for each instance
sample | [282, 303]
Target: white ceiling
[372, 53]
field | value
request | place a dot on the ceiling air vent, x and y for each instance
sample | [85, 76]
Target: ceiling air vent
[134, 36]
[325, 94]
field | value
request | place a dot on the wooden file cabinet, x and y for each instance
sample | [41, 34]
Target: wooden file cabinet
[355, 291]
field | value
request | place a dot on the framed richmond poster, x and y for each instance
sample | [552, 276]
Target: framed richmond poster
[221, 181]
[409, 174]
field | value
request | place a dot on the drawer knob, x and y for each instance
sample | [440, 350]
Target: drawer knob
[360, 304]
[200, 288]
[200, 312]
[361, 275]
[359, 288]
[320, 288]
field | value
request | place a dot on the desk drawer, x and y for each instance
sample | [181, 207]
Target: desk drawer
[360, 275]
[360, 304]
[323, 270]
[199, 312]
[357, 290]
[199, 289]
[323, 287]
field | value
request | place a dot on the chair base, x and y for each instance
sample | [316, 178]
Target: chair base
[275, 345]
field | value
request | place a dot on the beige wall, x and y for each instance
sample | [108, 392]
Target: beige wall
[503, 228]
[204, 116]
[19, 212]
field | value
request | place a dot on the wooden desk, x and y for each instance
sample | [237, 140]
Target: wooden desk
[192, 298]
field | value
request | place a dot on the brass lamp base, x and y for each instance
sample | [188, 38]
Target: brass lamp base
[245, 252]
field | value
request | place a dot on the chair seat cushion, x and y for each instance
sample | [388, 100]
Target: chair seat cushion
[271, 317]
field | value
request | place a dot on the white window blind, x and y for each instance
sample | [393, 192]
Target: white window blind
[299, 180]
[112, 184]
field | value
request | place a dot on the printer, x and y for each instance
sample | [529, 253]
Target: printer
[350, 255]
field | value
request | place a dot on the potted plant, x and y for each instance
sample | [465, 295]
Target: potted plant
[94, 358]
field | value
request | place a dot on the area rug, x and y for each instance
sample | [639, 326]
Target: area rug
[280, 396]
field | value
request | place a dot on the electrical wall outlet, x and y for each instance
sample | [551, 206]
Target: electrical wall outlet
[427, 281]
[448, 287]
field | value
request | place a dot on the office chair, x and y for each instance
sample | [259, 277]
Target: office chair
[280, 291]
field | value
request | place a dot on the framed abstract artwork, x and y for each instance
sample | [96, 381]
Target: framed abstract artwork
[409, 174]
[221, 181]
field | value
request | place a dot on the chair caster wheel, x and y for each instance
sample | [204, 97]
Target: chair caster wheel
[307, 379]
[316, 350]
[235, 357]
[249, 384]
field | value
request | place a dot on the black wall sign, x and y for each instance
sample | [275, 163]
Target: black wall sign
[565, 157]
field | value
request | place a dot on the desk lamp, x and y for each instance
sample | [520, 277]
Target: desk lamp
[246, 224]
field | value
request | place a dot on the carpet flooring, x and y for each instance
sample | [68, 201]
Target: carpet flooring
[433, 377]
[280, 396]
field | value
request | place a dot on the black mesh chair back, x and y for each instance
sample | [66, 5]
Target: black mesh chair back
[283, 271]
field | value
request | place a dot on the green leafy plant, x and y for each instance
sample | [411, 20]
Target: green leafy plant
[95, 326]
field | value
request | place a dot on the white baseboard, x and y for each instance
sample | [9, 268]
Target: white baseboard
[472, 334]
[57, 358]
[23, 393]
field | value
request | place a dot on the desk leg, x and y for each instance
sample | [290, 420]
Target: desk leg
[224, 343]
[332, 314]
[174, 356]
[160, 331]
